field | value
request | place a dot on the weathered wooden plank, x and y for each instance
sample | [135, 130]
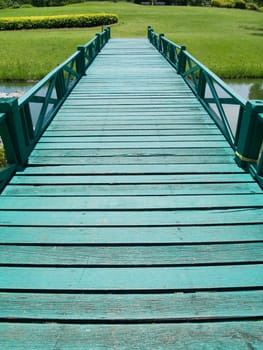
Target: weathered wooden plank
[132, 307]
[93, 129]
[136, 118]
[78, 160]
[109, 121]
[171, 336]
[235, 336]
[133, 169]
[130, 190]
[83, 179]
[183, 101]
[137, 152]
[119, 132]
[88, 145]
[131, 138]
[131, 279]
[172, 255]
[131, 235]
[132, 202]
[131, 218]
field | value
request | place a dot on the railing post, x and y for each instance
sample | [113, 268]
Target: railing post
[80, 62]
[160, 46]
[60, 85]
[98, 45]
[181, 60]
[15, 128]
[250, 135]
[260, 163]
[108, 33]
[150, 35]
[6, 139]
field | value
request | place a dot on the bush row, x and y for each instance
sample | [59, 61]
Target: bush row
[239, 4]
[61, 21]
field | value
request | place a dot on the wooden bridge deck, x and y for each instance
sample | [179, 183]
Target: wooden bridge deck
[132, 227]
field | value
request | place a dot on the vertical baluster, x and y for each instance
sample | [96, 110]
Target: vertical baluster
[201, 84]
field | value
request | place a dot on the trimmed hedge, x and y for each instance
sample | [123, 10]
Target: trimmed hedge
[61, 21]
[238, 4]
[222, 3]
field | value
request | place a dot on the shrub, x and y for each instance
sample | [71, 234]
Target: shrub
[3, 4]
[61, 21]
[239, 4]
[252, 6]
[222, 3]
[2, 157]
[15, 5]
[47, 3]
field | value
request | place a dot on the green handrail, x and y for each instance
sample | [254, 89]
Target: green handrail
[214, 94]
[23, 121]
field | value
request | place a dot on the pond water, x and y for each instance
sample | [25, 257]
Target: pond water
[248, 89]
[6, 88]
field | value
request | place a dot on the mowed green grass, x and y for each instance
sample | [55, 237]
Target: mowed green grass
[229, 42]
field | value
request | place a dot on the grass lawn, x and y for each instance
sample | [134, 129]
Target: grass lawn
[228, 41]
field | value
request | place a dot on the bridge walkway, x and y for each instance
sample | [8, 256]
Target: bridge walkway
[132, 227]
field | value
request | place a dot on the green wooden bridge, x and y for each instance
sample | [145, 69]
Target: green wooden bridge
[131, 214]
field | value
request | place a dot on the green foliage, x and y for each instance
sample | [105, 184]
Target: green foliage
[239, 4]
[3, 4]
[222, 3]
[15, 5]
[60, 21]
[252, 6]
[2, 157]
[46, 3]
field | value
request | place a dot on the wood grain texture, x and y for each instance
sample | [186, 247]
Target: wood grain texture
[148, 235]
[228, 335]
[172, 255]
[132, 279]
[122, 307]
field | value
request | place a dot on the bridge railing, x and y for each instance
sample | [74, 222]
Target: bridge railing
[23, 121]
[229, 111]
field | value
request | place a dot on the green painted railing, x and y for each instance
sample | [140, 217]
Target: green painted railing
[221, 102]
[23, 121]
